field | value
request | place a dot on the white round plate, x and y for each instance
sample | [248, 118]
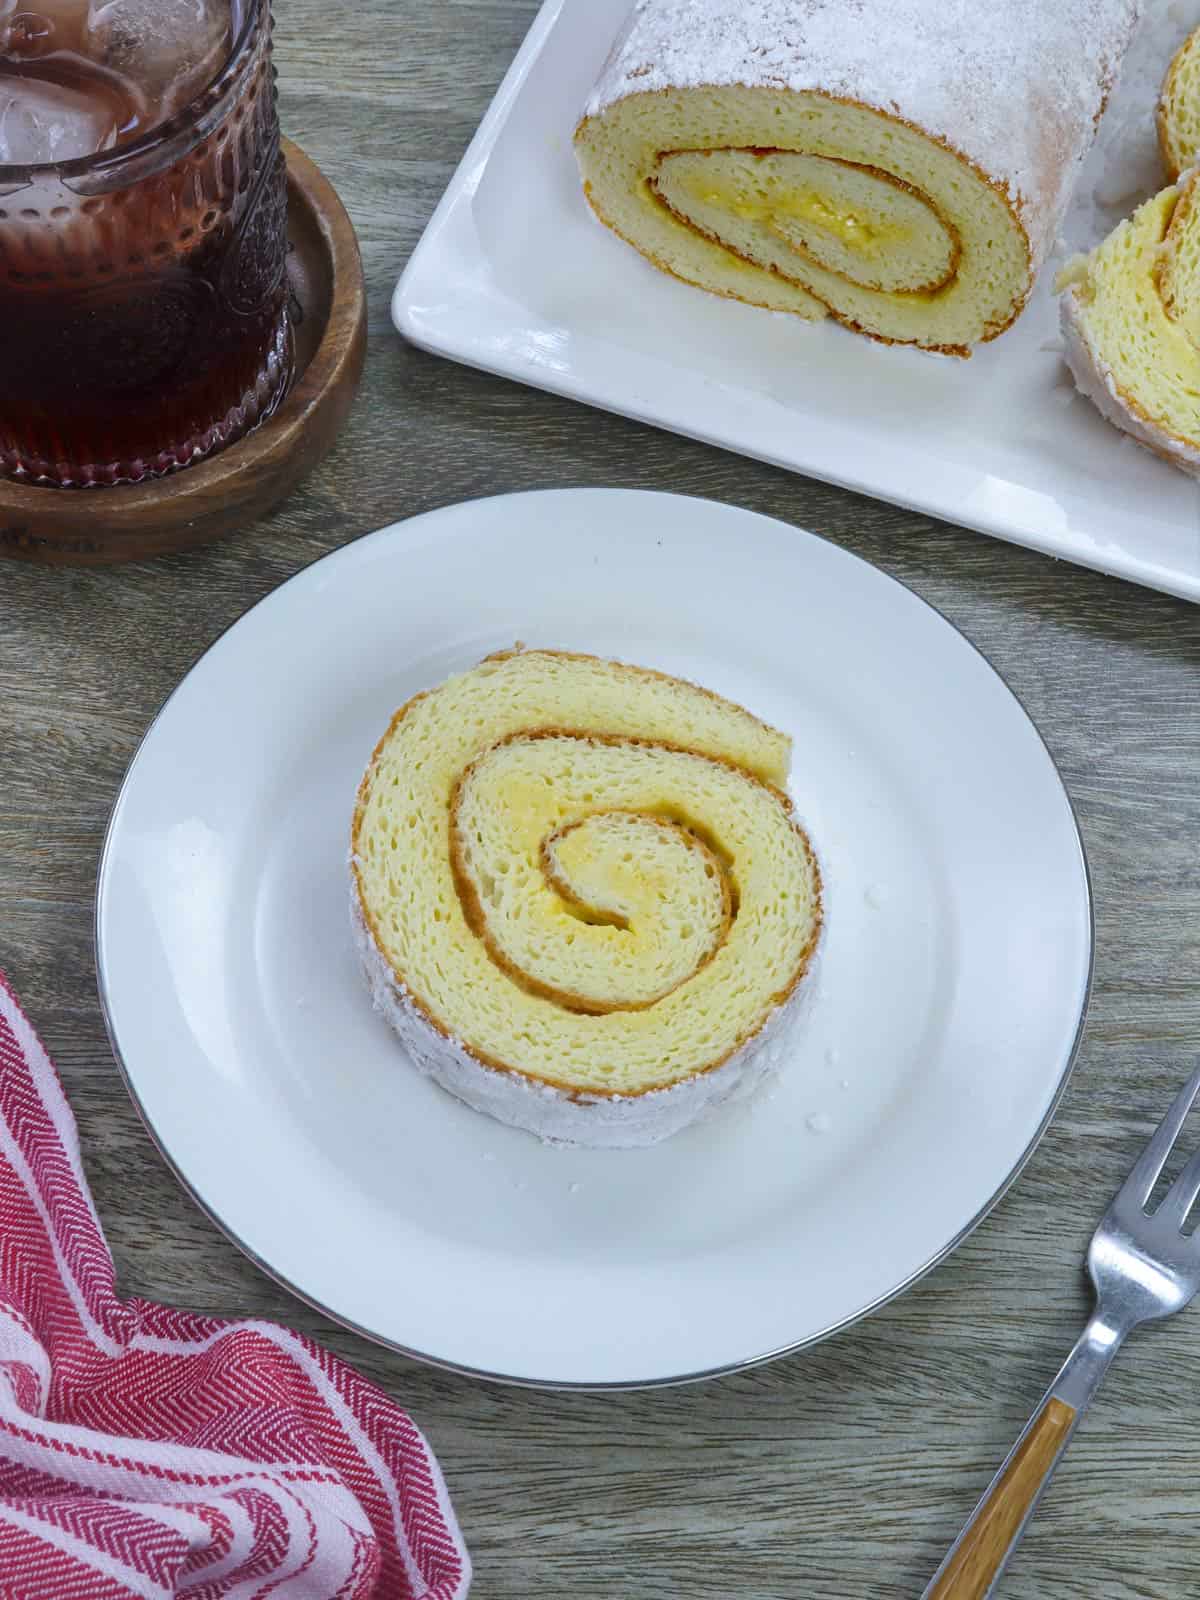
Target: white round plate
[952, 987]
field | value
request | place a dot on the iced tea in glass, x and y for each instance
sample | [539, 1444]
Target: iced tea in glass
[143, 235]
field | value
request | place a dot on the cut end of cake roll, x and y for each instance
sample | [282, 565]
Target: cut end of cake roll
[896, 236]
[581, 896]
[902, 170]
[1179, 110]
[1131, 316]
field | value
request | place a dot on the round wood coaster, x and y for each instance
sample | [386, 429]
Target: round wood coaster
[76, 527]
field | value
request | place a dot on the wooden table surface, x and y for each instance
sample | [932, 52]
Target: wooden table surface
[839, 1474]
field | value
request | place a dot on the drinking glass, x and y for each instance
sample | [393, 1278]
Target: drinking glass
[143, 294]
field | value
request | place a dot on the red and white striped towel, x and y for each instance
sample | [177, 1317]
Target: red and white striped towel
[148, 1452]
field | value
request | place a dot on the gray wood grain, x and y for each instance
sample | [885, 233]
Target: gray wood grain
[837, 1475]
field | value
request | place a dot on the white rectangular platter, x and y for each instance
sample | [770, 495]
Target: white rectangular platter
[515, 276]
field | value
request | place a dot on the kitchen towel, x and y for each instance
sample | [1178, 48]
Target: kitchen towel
[149, 1452]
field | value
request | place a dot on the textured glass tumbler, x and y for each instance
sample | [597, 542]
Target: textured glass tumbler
[143, 293]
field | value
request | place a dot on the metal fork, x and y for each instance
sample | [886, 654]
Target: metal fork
[1143, 1267]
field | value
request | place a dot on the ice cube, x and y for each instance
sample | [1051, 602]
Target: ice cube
[170, 49]
[42, 121]
[33, 28]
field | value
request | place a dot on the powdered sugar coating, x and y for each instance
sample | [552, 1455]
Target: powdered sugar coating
[1126, 165]
[1016, 86]
[618, 1122]
[1094, 379]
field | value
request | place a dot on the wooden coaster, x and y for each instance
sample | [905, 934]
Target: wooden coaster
[87, 527]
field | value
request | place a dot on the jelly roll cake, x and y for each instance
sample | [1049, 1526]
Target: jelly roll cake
[901, 164]
[1131, 306]
[581, 896]
[1131, 324]
[1179, 109]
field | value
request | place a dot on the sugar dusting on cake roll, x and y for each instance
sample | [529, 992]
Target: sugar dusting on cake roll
[581, 896]
[901, 164]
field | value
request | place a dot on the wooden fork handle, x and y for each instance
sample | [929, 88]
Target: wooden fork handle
[984, 1545]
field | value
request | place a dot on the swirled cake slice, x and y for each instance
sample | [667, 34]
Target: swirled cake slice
[1179, 109]
[1131, 325]
[583, 899]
